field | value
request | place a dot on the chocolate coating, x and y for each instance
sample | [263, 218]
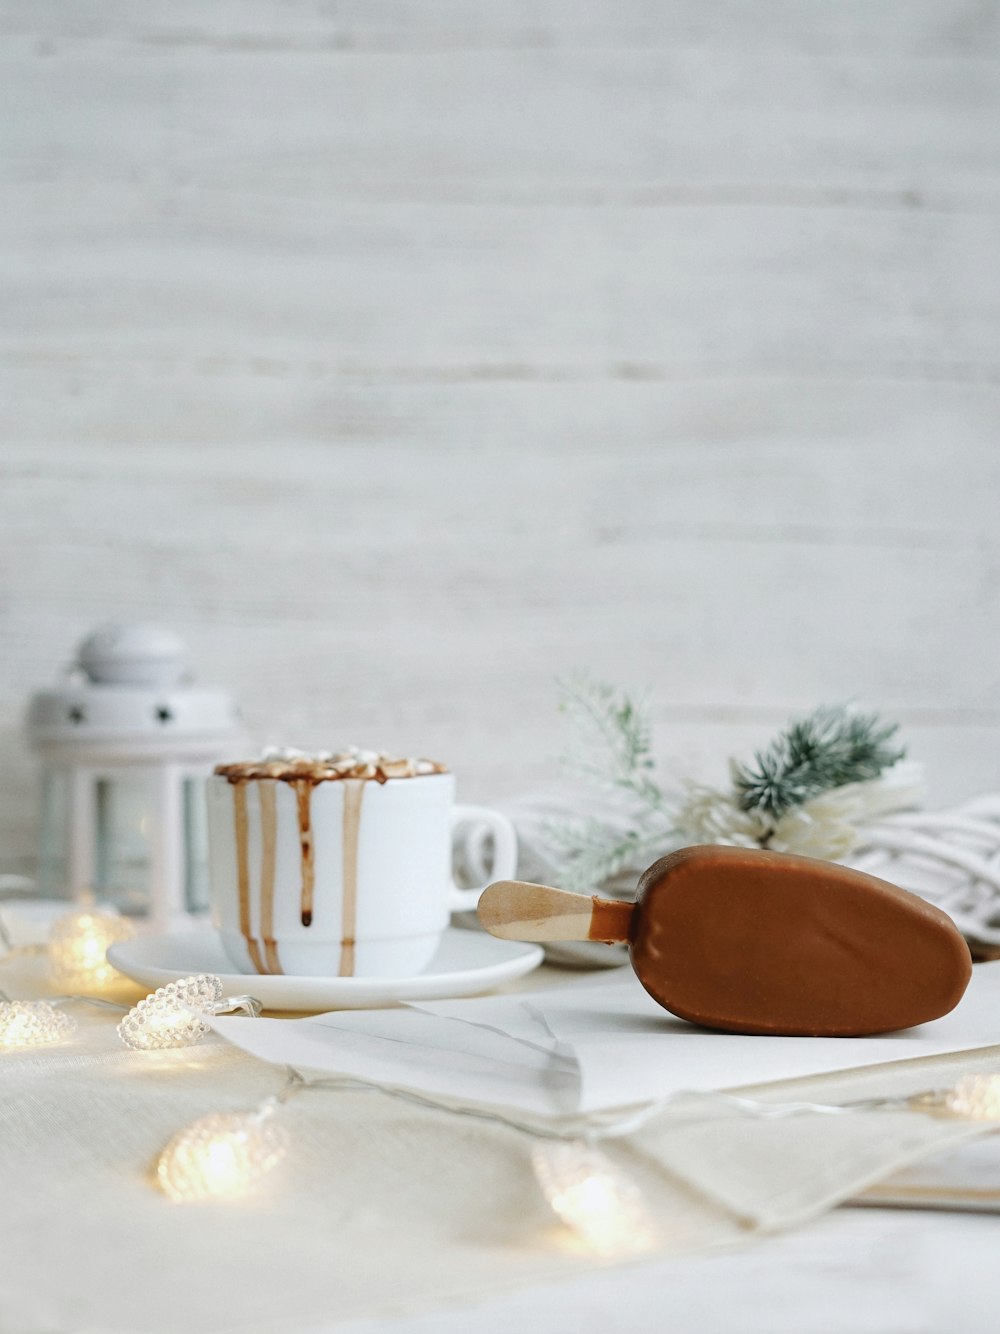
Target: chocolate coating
[750, 941]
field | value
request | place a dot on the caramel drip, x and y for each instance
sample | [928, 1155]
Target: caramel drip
[243, 871]
[268, 827]
[303, 796]
[353, 795]
[384, 770]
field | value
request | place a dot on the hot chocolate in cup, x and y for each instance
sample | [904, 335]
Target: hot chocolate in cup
[339, 864]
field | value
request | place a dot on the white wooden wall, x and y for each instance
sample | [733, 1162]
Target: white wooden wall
[402, 356]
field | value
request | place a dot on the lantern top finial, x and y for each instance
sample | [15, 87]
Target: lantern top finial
[130, 697]
[135, 654]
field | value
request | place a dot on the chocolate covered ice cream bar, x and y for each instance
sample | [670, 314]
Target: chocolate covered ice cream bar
[750, 941]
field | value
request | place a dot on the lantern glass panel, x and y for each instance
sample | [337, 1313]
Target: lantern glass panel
[53, 849]
[125, 824]
[195, 846]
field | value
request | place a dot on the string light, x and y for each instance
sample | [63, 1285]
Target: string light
[172, 1015]
[225, 1155]
[78, 947]
[592, 1196]
[33, 1024]
[222, 1156]
[976, 1097]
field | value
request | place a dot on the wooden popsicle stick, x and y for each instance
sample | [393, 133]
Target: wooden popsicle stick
[516, 910]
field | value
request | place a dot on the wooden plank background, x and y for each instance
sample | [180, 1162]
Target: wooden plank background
[403, 357]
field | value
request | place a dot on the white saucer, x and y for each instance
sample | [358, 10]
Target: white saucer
[466, 964]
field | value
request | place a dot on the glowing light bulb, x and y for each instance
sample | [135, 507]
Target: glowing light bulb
[976, 1097]
[593, 1197]
[33, 1024]
[222, 1156]
[170, 1016]
[78, 946]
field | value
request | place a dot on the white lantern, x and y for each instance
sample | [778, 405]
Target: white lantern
[126, 744]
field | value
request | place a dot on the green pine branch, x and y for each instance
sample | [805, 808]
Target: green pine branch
[613, 753]
[832, 746]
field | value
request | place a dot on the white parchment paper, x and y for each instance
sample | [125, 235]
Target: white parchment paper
[585, 1047]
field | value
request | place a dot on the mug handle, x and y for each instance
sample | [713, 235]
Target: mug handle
[504, 851]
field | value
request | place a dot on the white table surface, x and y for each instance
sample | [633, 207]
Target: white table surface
[856, 1271]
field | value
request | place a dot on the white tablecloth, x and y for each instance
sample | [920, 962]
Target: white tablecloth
[380, 1207]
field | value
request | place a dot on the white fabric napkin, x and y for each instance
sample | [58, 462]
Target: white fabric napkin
[588, 1046]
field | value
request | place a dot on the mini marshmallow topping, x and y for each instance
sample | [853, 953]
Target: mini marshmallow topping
[289, 765]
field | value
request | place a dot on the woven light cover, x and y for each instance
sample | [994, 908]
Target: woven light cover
[78, 948]
[220, 1157]
[33, 1024]
[170, 1016]
[592, 1196]
[976, 1097]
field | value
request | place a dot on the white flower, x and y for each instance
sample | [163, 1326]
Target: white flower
[819, 827]
[711, 816]
[828, 826]
[899, 788]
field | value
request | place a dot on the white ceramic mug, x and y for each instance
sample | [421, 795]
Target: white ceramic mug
[348, 878]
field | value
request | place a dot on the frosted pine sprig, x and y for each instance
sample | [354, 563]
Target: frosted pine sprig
[832, 746]
[807, 792]
[595, 853]
[614, 753]
[615, 737]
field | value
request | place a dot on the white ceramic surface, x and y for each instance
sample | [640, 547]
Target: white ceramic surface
[466, 963]
[381, 865]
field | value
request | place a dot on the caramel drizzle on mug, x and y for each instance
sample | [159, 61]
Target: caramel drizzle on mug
[303, 793]
[354, 791]
[243, 871]
[268, 833]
